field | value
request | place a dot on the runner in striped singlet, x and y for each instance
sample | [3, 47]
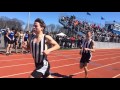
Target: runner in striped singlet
[87, 48]
[38, 46]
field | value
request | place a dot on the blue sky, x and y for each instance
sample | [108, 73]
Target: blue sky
[52, 17]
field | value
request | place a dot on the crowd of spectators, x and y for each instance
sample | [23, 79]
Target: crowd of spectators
[101, 34]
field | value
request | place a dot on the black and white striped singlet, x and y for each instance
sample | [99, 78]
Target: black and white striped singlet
[86, 44]
[86, 54]
[40, 59]
[37, 53]
[37, 50]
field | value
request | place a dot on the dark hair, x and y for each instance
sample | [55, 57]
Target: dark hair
[13, 28]
[42, 24]
[88, 32]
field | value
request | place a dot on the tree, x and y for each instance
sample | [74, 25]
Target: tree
[58, 27]
[6, 22]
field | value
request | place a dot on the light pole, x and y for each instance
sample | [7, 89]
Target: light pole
[28, 22]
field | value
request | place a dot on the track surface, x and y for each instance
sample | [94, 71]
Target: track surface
[105, 64]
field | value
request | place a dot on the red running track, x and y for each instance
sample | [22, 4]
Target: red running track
[105, 64]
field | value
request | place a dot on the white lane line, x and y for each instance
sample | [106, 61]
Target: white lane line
[15, 74]
[97, 68]
[16, 65]
[64, 66]
[116, 76]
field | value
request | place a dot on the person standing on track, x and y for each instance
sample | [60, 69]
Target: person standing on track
[25, 40]
[16, 36]
[86, 51]
[10, 37]
[39, 50]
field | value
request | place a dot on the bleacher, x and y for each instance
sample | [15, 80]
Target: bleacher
[77, 27]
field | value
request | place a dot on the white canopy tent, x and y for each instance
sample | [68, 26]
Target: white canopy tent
[61, 34]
